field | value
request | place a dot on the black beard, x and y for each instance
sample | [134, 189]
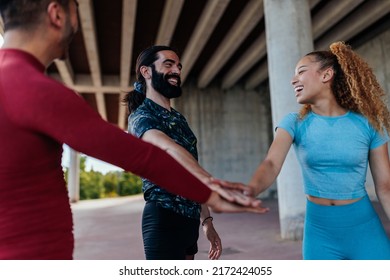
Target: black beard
[160, 83]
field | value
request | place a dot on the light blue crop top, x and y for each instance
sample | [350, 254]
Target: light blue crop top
[333, 152]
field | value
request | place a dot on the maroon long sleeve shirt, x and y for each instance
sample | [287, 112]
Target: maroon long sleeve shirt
[38, 115]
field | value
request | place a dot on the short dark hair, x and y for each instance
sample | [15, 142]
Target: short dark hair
[25, 13]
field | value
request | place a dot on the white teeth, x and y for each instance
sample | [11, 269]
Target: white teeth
[172, 81]
[298, 88]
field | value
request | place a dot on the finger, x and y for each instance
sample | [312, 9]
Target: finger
[211, 254]
[214, 255]
[219, 253]
[236, 196]
[260, 210]
[229, 207]
[246, 189]
[241, 198]
[214, 249]
[223, 192]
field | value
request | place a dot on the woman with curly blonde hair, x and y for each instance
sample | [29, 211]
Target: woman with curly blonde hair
[341, 127]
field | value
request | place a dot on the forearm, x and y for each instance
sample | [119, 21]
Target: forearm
[207, 222]
[270, 167]
[384, 198]
[189, 162]
[204, 213]
[380, 170]
[264, 176]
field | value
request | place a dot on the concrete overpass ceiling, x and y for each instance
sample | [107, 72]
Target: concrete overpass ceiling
[221, 42]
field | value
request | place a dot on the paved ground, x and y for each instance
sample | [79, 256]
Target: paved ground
[109, 229]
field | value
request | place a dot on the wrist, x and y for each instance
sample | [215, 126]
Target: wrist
[208, 220]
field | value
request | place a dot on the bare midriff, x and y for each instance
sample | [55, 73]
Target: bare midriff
[331, 202]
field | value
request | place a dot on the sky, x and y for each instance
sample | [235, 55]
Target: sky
[91, 163]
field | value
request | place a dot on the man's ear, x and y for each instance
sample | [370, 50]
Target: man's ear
[56, 14]
[327, 75]
[145, 72]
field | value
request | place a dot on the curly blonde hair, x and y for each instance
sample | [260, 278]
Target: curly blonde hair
[354, 85]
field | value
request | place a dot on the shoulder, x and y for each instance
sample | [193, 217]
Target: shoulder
[21, 73]
[178, 114]
[290, 119]
[377, 138]
[141, 115]
[360, 121]
[294, 116]
[39, 93]
[290, 123]
[142, 120]
[358, 117]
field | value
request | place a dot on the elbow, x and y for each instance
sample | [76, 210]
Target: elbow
[170, 151]
[383, 188]
[272, 168]
[164, 147]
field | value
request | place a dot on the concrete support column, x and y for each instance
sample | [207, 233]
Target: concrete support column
[74, 176]
[289, 37]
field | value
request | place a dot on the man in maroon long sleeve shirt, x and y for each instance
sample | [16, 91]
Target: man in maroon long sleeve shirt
[38, 115]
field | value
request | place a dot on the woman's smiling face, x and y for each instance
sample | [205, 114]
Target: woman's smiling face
[307, 81]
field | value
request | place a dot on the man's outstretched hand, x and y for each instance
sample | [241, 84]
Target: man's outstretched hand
[233, 197]
[219, 204]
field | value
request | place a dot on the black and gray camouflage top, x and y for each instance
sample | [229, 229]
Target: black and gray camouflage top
[150, 115]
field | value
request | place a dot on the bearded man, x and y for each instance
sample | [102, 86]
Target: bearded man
[170, 223]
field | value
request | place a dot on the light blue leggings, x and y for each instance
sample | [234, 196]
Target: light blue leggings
[349, 232]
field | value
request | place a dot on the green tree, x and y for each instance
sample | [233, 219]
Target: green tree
[94, 184]
[91, 182]
[129, 184]
[110, 184]
[91, 185]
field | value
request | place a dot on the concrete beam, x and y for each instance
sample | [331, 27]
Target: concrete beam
[248, 19]
[83, 84]
[87, 21]
[169, 20]
[313, 3]
[253, 55]
[66, 71]
[332, 13]
[367, 14]
[128, 26]
[203, 30]
[101, 104]
[1, 26]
